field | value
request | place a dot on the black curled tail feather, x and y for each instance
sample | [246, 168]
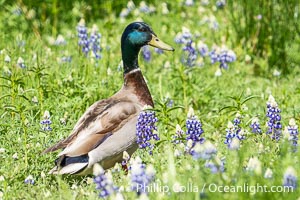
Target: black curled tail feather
[71, 165]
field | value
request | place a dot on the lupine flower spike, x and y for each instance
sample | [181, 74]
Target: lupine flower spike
[194, 128]
[177, 138]
[94, 42]
[255, 126]
[125, 161]
[234, 133]
[141, 176]
[21, 63]
[83, 41]
[103, 181]
[223, 56]
[193, 133]
[274, 123]
[46, 122]
[204, 151]
[29, 180]
[293, 131]
[146, 53]
[146, 129]
[290, 178]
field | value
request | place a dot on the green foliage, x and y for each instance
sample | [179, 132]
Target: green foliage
[267, 29]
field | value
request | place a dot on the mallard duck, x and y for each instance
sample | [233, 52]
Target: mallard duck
[108, 127]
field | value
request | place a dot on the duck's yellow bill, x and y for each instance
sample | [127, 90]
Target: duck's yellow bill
[156, 42]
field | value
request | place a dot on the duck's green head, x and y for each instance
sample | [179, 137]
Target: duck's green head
[135, 36]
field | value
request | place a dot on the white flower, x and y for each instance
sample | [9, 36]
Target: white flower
[276, 72]
[34, 99]
[97, 169]
[165, 9]
[7, 59]
[130, 5]
[254, 165]
[272, 101]
[46, 114]
[126, 156]
[235, 144]
[60, 40]
[20, 61]
[2, 178]
[119, 196]
[43, 175]
[109, 72]
[74, 186]
[230, 125]
[2, 150]
[268, 173]
[247, 58]
[177, 153]
[191, 113]
[81, 22]
[15, 156]
[292, 123]
[150, 170]
[29, 180]
[218, 73]
[189, 144]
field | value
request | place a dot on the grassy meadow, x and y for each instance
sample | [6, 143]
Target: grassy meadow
[42, 68]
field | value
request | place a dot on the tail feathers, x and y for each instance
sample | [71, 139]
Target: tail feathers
[70, 165]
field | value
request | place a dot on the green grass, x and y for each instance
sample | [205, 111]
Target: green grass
[66, 90]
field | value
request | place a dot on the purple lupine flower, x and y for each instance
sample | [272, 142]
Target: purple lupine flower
[222, 56]
[46, 122]
[204, 151]
[83, 37]
[21, 63]
[178, 137]
[293, 131]
[60, 40]
[191, 54]
[218, 165]
[169, 102]
[274, 123]
[183, 37]
[144, 8]
[194, 128]
[29, 180]
[202, 48]
[146, 53]
[158, 51]
[290, 178]
[189, 2]
[214, 56]
[94, 41]
[145, 128]
[126, 158]
[141, 176]
[255, 126]
[234, 131]
[226, 57]
[104, 182]
[66, 59]
[220, 4]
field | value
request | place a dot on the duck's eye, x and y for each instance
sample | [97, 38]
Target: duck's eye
[142, 29]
